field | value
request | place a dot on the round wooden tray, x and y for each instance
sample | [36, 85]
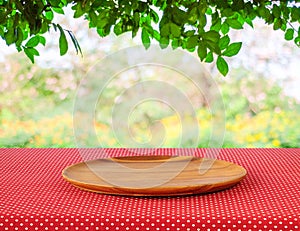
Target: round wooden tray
[154, 175]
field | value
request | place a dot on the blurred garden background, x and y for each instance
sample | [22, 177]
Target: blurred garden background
[261, 93]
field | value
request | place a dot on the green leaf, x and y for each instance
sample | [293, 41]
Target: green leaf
[63, 43]
[10, 37]
[175, 43]
[209, 11]
[1, 32]
[232, 49]
[75, 43]
[283, 26]
[164, 42]
[54, 2]
[33, 42]
[234, 23]
[100, 32]
[214, 47]
[264, 12]
[224, 41]
[209, 57]
[45, 27]
[54, 27]
[276, 11]
[135, 5]
[145, 38]
[118, 28]
[216, 26]
[155, 35]
[222, 65]
[42, 40]
[193, 15]
[102, 22]
[192, 42]
[165, 30]
[238, 5]
[297, 41]
[49, 15]
[19, 48]
[189, 33]
[212, 36]
[181, 16]
[249, 22]
[202, 50]
[20, 37]
[277, 23]
[224, 28]
[58, 10]
[227, 12]
[154, 16]
[285, 12]
[202, 20]
[136, 18]
[202, 8]
[64, 2]
[295, 14]
[215, 16]
[31, 52]
[175, 30]
[34, 51]
[78, 10]
[289, 34]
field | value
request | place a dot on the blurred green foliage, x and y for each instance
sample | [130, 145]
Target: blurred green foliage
[36, 106]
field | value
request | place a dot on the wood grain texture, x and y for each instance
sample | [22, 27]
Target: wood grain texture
[154, 175]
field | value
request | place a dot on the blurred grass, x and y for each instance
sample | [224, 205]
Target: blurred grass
[265, 129]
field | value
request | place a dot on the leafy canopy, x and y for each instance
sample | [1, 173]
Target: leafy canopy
[193, 25]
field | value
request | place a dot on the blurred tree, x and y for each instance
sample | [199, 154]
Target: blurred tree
[21, 84]
[201, 26]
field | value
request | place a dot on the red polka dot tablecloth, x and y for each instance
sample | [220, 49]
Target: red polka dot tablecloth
[34, 196]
